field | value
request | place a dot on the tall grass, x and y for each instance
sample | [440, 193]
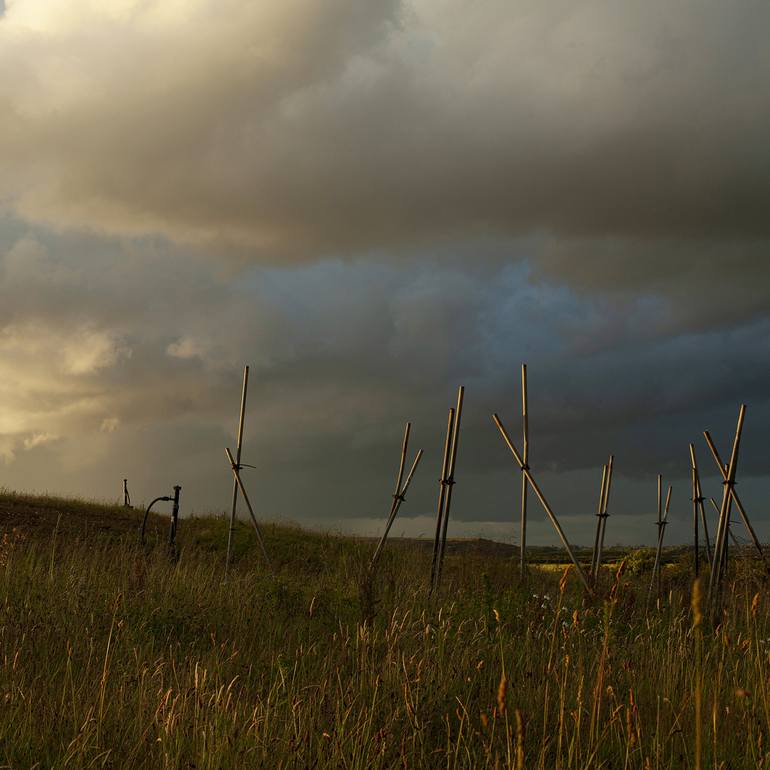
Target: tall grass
[116, 657]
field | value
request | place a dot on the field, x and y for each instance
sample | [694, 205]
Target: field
[117, 656]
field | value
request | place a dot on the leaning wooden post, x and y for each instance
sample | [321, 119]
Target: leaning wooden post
[603, 519]
[599, 509]
[239, 482]
[394, 512]
[399, 495]
[546, 507]
[450, 480]
[720, 547]
[238, 448]
[525, 457]
[442, 487]
[724, 470]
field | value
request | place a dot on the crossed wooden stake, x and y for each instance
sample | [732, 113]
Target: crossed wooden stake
[446, 482]
[719, 562]
[601, 522]
[237, 475]
[724, 472]
[399, 496]
[698, 510]
[661, 524]
[538, 493]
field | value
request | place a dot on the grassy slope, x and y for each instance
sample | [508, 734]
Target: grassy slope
[115, 656]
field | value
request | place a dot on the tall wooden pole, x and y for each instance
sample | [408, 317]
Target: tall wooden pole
[442, 495]
[238, 448]
[603, 518]
[546, 507]
[450, 479]
[662, 520]
[695, 501]
[599, 509]
[525, 457]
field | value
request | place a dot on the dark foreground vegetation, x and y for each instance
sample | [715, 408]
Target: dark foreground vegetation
[113, 655]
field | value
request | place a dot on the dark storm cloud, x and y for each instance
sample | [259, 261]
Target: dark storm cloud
[135, 372]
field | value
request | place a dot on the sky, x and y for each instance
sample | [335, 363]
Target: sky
[370, 204]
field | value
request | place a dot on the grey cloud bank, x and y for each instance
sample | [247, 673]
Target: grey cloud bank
[372, 203]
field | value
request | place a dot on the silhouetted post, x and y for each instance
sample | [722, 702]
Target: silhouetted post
[174, 520]
[238, 448]
[546, 507]
[525, 457]
[126, 496]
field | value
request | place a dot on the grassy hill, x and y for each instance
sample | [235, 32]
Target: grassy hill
[115, 655]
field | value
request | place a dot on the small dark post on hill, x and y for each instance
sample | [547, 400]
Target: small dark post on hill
[174, 517]
[237, 466]
[525, 457]
[546, 507]
[236, 473]
[126, 496]
[399, 495]
[174, 520]
[445, 489]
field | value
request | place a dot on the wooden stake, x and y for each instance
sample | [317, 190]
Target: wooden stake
[525, 457]
[599, 510]
[724, 469]
[698, 506]
[694, 485]
[450, 479]
[394, 512]
[662, 520]
[442, 495]
[238, 447]
[546, 507]
[720, 546]
[237, 475]
[399, 495]
[603, 519]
